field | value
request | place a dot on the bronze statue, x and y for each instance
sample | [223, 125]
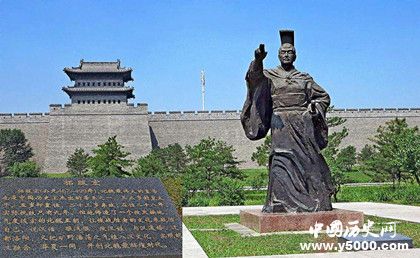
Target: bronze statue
[293, 106]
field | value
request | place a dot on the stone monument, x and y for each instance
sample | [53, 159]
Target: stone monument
[79, 217]
[293, 106]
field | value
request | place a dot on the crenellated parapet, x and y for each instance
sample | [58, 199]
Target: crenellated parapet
[194, 115]
[375, 112]
[21, 118]
[235, 114]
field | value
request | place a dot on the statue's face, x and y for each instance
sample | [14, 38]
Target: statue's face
[287, 54]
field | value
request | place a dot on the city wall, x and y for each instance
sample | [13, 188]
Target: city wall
[86, 126]
[55, 135]
[189, 127]
[35, 126]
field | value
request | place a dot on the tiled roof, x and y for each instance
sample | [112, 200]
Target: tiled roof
[97, 89]
[71, 90]
[88, 68]
[98, 67]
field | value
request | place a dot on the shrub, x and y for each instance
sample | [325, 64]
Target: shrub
[173, 186]
[25, 169]
[258, 180]
[198, 201]
[230, 192]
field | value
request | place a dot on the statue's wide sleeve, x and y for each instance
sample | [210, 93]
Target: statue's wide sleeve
[322, 102]
[321, 97]
[257, 110]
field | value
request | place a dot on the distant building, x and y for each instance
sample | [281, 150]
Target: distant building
[99, 82]
[99, 109]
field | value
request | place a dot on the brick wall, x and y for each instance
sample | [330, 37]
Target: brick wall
[55, 135]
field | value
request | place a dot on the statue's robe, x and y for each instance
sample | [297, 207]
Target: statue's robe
[299, 178]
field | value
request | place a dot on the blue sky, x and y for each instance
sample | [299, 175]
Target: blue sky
[364, 53]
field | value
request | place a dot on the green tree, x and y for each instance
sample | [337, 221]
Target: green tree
[346, 158]
[110, 160]
[397, 151]
[14, 147]
[25, 169]
[262, 153]
[332, 151]
[411, 153]
[163, 162]
[330, 154]
[209, 162]
[77, 163]
[365, 154]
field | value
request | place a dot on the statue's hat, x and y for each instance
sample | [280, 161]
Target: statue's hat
[287, 36]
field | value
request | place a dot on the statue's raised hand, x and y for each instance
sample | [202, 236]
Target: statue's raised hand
[260, 53]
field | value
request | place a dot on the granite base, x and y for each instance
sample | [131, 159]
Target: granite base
[275, 222]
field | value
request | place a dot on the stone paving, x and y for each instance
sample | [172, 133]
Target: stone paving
[410, 253]
[391, 211]
[191, 248]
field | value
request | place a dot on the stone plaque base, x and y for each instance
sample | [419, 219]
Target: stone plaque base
[275, 222]
[385, 242]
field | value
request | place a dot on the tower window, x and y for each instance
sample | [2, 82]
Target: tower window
[88, 84]
[78, 102]
[84, 102]
[93, 83]
[88, 101]
[83, 84]
[119, 101]
[99, 84]
[113, 84]
[78, 84]
[93, 102]
[99, 102]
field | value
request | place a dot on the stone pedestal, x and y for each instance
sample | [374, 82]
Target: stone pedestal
[275, 222]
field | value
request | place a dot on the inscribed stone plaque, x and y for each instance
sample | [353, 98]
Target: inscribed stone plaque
[73, 217]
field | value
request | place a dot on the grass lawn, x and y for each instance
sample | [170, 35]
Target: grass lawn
[222, 242]
[255, 197]
[252, 173]
[358, 177]
[408, 194]
[56, 175]
[249, 172]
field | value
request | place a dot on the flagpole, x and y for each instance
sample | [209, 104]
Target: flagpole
[203, 87]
